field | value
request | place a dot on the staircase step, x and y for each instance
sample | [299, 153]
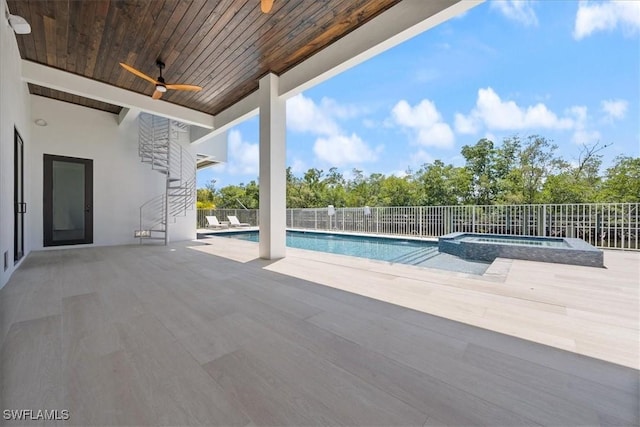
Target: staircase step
[180, 182]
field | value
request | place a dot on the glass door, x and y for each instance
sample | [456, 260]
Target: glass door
[20, 207]
[68, 200]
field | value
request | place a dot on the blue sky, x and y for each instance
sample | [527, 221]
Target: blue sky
[565, 70]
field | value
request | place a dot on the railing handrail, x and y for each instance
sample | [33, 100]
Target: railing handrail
[605, 225]
[158, 144]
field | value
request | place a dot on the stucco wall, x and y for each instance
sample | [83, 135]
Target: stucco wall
[14, 111]
[121, 183]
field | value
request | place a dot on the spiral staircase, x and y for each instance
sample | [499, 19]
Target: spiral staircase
[159, 146]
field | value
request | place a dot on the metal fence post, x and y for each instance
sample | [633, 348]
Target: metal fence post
[603, 224]
[473, 220]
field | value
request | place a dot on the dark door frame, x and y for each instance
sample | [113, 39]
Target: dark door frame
[47, 204]
[20, 207]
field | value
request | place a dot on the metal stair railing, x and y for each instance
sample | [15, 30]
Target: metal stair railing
[158, 145]
[152, 219]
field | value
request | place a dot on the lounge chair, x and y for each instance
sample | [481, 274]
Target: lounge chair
[233, 221]
[212, 222]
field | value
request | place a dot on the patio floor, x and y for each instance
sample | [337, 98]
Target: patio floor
[195, 334]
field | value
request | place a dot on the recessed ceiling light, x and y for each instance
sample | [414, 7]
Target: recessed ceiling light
[40, 122]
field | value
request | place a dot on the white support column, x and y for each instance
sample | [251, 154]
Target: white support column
[272, 178]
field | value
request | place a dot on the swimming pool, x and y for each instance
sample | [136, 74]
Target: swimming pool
[403, 251]
[509, 240]
[561, 250]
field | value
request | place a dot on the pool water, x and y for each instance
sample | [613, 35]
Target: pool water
[379, 248]
[505, 240]
[403, 251]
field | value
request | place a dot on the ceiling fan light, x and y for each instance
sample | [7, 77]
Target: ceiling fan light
[161, 88]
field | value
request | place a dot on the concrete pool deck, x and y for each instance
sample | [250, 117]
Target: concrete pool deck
[195, 334]
[587, 310]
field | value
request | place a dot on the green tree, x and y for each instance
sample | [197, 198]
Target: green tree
[314, 185]
[482, 165]
[294, 196]
[438, 184]
[251, 195]
[622, 181]
[357, 190]
[579, 183]
[395, 191]
[335, 191]
[239, 196]
[517, 171]
[206, 197]
[534, 162]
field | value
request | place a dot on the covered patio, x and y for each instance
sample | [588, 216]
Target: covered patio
[209, 334]
[224, 332]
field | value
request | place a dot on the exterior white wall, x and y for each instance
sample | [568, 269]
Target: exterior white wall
[14, 111]
[121, 183]
[215, 146]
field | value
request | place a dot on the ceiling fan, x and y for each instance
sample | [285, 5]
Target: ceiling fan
[160, 84]
[266, 5]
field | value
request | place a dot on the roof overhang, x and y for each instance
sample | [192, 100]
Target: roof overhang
[53, 78]
[399, 23]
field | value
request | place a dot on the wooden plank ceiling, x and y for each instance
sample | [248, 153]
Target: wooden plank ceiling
[73, 99]
[224, 46]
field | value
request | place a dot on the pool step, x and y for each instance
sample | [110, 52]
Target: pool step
[418, 256]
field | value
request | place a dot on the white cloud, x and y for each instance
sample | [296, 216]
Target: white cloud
[333, 144]
[497, 114]
[491, 136]
[303, 115]
[615, 109]
[520, 11]
[465, 124]
[592, 17]
[339, 150]
[243, 156]
[298, 166]
[424, 121]
[491, 113]
[421, 157]
[343, 112]
[581, 133]
[426, 75]
[369, 124]
[586, 137]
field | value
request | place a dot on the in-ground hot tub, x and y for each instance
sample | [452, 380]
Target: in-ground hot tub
[488, 247]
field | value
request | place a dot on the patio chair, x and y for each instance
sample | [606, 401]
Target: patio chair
[233, 221]
[212, 222]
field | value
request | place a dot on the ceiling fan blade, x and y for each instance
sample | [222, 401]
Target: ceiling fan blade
[266, 5]
[137, 73]
[156, 94]
[184, 87]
